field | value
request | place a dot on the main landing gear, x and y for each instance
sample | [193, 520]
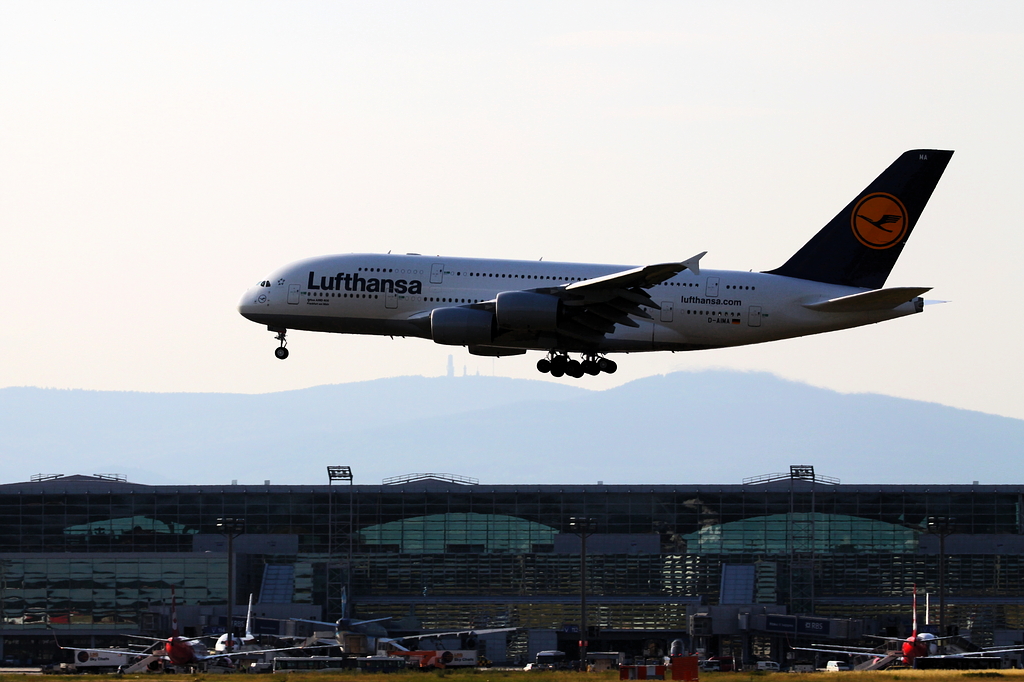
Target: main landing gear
[281, 352]
[559, 364]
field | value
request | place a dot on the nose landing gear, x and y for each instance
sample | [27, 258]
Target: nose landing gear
[559, 364]
[281, 352]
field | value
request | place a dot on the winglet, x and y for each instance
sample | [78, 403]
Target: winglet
[693, 264]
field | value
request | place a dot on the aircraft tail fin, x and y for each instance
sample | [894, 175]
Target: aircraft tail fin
[914, 633]
[859, 247]
[248, 620]
[174, 614]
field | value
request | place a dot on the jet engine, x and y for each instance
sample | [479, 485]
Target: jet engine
[461, 326]
[527, 311]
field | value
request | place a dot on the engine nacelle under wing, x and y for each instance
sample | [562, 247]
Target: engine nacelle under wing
[461, 326]
[527, 311]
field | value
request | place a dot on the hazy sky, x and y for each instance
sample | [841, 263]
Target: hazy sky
[156, 159]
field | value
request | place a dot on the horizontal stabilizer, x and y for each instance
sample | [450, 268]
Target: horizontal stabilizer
[880, 299]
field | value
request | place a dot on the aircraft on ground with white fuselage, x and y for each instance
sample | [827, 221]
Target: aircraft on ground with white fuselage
[905, 652]
[507, 307]
[187, 651]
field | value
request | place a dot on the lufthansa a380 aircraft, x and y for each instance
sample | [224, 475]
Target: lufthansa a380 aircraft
[506, 307]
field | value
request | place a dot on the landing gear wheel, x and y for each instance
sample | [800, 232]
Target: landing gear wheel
[590, 367]
[559, 363]
[543, 365]
[575, 369]
[281, 352]
[603, 363]
[610, 369]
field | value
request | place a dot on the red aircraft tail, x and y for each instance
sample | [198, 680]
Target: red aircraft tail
[174, 615]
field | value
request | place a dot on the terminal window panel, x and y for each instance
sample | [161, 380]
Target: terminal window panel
[33, 522]
[667, 616]
[112, 591]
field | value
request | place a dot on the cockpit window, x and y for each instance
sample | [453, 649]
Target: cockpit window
[265, 283]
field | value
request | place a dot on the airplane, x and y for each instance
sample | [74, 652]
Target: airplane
[181, 651]
[918, 645]
[438, 656]
[225, 642]
[353, 637]
[508, 307]
[228, 641]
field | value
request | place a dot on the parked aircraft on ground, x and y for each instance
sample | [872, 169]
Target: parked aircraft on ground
[352, 637]
[505, 307]
[918, 645]
[182, 651]
[229, 641]
[367, 637]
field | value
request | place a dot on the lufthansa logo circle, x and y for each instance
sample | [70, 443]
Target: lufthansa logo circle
[879, 221]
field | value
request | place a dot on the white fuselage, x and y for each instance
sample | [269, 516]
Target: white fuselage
[394, 295]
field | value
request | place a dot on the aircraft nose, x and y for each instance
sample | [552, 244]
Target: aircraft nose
[252, 299]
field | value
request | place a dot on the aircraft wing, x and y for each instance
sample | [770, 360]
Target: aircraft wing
[122, 652]
[333, 626]
[191, 640]
[1000, 649]
[249, 652]
[338, 626]
[392, 642]
[593, 307]
[985, 652]
[454, 633]
[900, 640]
[848, 651]
[644, 277]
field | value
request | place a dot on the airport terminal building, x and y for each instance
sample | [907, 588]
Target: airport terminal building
[740, 568]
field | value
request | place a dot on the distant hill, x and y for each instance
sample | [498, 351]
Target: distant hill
[700, 427]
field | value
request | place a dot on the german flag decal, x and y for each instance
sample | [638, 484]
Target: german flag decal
[879, 221]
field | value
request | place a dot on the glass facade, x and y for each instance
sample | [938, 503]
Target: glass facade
[781, 534]
[49, 517]
[94, 554]
[103, 590]
[470, 533]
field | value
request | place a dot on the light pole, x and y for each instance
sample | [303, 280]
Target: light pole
[941, 526]
[343, 473]
[582, 526]
[231, 528]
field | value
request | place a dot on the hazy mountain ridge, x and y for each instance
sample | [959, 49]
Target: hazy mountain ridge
[702, 427]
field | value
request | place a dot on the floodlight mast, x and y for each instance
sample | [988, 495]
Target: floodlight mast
[231, 527]
[342, 473]
[941, 526]
[583, 526]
